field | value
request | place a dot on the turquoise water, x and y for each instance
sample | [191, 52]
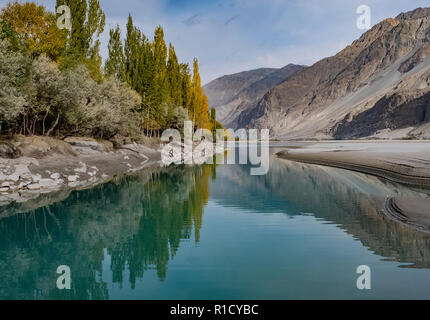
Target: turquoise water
[215, 232]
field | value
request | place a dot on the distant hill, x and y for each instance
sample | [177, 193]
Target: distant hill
[232, 94]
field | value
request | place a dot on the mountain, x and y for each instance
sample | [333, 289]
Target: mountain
[232, 94]
[221, 90]
[378, 86]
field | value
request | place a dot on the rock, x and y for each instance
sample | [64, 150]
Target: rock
[48, 183]
[74, 184]
[119, 141]
[408, 114]
[6, 184]
[55, 176]
[34, 186]
[93, 179]
[9, 151]
[82, 169]
[22, 184]
[73, 178]
[4, 189]
[89, 143]
[139, 149]
[21, 171]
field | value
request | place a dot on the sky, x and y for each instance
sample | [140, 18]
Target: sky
[229, 36]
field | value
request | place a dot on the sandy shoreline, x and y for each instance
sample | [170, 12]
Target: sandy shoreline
[398, 161]
[405, 162]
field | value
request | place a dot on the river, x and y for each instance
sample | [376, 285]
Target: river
[216, 232]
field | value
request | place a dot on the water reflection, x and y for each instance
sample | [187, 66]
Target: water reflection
[350, 200]
[140, 222]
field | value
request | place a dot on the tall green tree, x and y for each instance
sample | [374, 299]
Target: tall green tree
[169, 92]
[115, 64]
[146, 69]
[186, 86]
[160, 93]
[174, 77]
[132, 55]
[88, 22]
[213, 120]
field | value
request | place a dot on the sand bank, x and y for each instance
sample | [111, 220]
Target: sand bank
[406, 162]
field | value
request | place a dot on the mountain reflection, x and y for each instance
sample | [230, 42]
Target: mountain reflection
[350, 200]
[140, 222]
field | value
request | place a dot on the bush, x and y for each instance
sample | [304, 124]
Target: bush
[37, 98]
[13, 79]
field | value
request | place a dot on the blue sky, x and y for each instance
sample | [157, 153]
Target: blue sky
[229, 36]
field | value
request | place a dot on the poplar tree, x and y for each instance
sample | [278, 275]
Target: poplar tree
[186, 86]
[199, 101]
[88, 22]
[160, 93]
[146, 68]
[115, 64]
[174, 77]
[213, 120]
[130, 52]
[167, 88]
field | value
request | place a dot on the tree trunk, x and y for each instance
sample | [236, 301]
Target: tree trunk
[53, 126]
[34, 126]
[43, 122]
[27, 128]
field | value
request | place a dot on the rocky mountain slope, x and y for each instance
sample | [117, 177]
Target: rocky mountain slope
[232, 94]
[221, 90]
[377, 86]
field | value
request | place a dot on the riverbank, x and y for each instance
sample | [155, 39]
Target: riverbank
[31, 166]
[405, 162]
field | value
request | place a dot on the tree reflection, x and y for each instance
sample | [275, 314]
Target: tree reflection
[139, 221]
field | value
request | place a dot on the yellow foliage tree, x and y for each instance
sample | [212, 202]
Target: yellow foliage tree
[36, 28]
[199, 104]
